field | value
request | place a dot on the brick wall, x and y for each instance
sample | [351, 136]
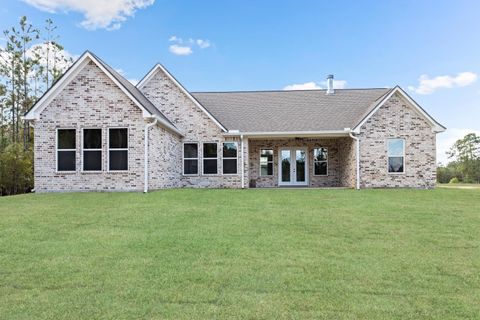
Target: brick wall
[397, 119]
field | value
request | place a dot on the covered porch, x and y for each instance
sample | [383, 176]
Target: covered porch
[308, 161]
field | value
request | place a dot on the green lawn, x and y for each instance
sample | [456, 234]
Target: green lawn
[249, 254]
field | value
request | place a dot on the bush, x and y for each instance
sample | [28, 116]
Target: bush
[454, 180]
[16, 170]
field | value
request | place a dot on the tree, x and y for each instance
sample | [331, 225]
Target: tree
[466, 153]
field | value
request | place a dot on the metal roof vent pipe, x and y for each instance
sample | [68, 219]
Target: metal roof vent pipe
[330, 89]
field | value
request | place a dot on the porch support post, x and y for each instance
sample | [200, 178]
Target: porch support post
[357, 160]
[243, 162]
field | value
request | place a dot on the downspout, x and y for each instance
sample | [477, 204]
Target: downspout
[242, 161]
[145, 183]
[357, 159]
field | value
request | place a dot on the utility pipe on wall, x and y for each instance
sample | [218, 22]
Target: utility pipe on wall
[357, 159]
[145, 183]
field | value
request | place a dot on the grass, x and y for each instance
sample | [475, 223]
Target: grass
[241, 254]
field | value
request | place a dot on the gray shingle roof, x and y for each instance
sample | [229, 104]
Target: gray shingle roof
[134, 91]
[305, 110]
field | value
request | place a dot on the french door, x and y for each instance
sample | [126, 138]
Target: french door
[293, 167]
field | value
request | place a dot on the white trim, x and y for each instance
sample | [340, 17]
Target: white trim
[118, 149]
[282, 134]
[230, 158]
[158, 66]
[82, 150]
[396, 156]
[145, 160]
[209, 158]
[57, 150]
[357, 161]
[260, 163]
[436, 127]
[319, 161]
[242, 162]
[293, 156]
[197, 158]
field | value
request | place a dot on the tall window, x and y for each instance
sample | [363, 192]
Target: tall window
[229, 158]
[396, 155]
[210, 158]
[118, 149]
[92, 149]
[190, 158]
[66, 148]
[266, 162]
[320, 162]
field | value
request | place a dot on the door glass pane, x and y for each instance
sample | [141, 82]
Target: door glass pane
[285, 158]
[300, 158]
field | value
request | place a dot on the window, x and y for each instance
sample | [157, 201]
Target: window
[266, 162]
[92, 149]
[320, 162]
[190, 158]
[230, 158]
[118, 149]
[66, 148]
[396, 155]
[210, 158]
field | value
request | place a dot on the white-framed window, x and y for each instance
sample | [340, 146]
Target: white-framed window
[266, 162]
[190, 158]
[230, 156]
[92, 150]
[396, 155]
[66, 149]
[320, 161]
[117, 149]
[210, 158]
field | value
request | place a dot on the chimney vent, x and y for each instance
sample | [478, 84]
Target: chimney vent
[330, 84]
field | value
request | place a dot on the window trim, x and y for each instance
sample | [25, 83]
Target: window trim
[56, 151]
[197, 158]
[315, 161]
[260, 163]
[230, 158]
[403, 156]
[83, 150]
[117, 149]
[203, 158]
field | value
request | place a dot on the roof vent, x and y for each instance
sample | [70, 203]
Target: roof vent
[330, 84]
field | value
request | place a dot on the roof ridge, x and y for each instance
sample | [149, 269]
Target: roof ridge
[281, 90]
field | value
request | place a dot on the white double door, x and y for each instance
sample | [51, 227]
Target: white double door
[293, 167]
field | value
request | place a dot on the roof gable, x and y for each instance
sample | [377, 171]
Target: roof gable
[160, 68]
[148, 109]
[436, 127]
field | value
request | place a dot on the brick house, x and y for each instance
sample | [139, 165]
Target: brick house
[95, 131]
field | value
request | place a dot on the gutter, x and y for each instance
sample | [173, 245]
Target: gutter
[145, 166]
[328, 133]
[357, 159]
[243, 164]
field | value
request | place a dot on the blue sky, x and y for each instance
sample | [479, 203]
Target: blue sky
[256, 45]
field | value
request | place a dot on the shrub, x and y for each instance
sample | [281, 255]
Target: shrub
[16, 170]
[454, 180]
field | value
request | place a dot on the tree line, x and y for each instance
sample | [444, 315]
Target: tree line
[465, 164]
[31, 60]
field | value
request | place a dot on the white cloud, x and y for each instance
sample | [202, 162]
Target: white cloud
[63, 61]
[337, 84]
[133, 81]
[105, 14]
[180, 50]
[446, 139]
[183, 47]
[428, 85]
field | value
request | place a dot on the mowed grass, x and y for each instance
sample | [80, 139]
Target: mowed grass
[241, 254]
